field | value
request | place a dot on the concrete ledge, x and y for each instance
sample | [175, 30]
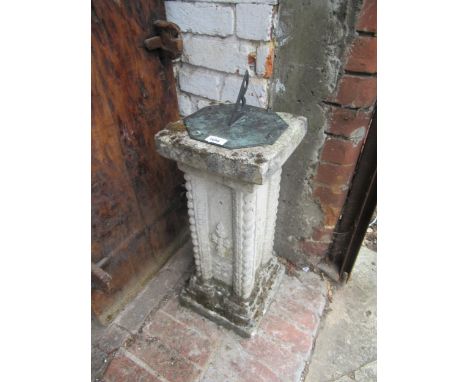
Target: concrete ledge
[251, 165]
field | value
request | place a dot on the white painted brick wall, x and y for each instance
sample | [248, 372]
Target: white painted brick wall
[256, 94]
[200, 81]
[190, 103]
[272, 2]
[263, 54]
[223, 39]
[254, 21]
[202, 18]
[186, 106]
[200, 103]
[229, 55]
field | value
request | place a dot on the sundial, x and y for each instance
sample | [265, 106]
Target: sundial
[234, 280]
[235, 126]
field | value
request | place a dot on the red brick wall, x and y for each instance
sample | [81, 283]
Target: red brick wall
[349, 114]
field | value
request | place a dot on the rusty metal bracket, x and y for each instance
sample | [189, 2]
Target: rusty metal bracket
[99, 277]
[169, 39]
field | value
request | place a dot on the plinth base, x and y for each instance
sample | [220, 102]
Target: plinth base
[217, 301]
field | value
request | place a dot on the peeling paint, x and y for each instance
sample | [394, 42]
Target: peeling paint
[278, 86]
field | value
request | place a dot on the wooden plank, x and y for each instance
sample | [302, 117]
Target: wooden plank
[138, 205]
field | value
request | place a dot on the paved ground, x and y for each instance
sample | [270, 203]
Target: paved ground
[346, 347]
[155, 339]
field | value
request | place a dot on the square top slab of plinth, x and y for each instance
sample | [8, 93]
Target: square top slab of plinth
[251, 164]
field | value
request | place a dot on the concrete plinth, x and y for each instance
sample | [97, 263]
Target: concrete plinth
[232, 203]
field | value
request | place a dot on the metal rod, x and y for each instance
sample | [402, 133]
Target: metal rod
[240, 103]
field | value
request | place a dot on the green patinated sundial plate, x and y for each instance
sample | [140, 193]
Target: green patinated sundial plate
[252, 126]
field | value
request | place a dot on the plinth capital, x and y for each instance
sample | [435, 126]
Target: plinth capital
[251, 164]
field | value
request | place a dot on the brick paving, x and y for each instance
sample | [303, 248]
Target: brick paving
[175, 344]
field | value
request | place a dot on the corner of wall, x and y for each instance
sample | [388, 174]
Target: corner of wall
[312, 78]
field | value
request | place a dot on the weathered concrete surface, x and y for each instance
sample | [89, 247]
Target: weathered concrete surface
[226, 309]
[346, 348]
[251, 164]
[311, 41]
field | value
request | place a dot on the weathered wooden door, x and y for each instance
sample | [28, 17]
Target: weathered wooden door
[138, 206]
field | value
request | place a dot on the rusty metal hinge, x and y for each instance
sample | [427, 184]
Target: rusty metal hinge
[169, 39]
